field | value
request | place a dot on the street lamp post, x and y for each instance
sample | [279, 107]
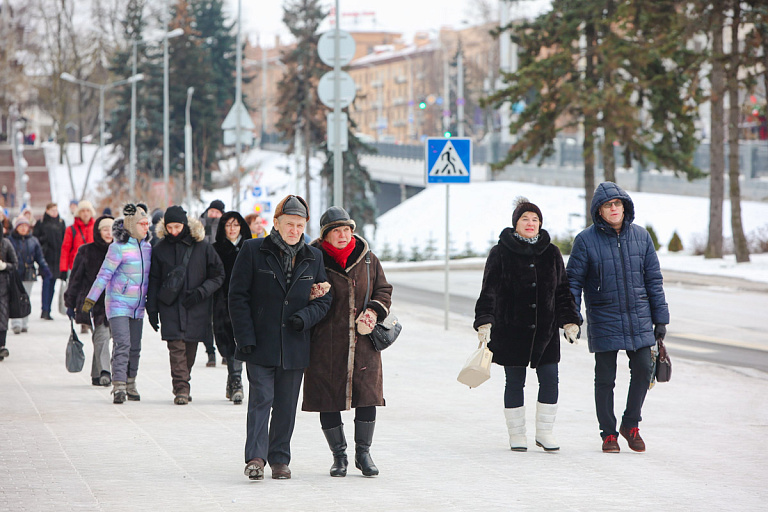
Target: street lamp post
[188, 150]
[166, 122]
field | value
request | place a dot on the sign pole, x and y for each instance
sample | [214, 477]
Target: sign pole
[338, 185]
[447, 251]
[238, 100]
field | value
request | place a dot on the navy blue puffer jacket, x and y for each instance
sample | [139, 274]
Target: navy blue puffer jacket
[620, 277]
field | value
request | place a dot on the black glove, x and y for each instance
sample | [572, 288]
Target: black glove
[247, 349]
[659, 331]
[296, 323]
[154, 319]
[191, 298]
[63, 276]
[71, 313]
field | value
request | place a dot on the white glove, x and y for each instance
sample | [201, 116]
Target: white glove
[366, 321]
[484, 333]
[2, 265]
[572, 333]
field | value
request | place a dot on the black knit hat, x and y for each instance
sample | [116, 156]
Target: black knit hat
[522, 205]
[216, 204]
[175, 214]
[334, 217]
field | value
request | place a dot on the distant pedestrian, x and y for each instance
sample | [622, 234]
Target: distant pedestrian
[256, 223]
[524, 300]
[614, 263]
[79, 233]
[29, 253]
[50, 233]
[88, 262]
[269, 302]
[6, 222]
[185, 319]
[8, 263]
[344, 368]
[230, 237]
[210, 219]
[157, 216]
[124, 278]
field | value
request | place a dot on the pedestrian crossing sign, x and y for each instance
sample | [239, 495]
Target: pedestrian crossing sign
[448, 160]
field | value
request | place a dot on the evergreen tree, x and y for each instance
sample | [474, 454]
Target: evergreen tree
[654, 238]
[675, 244]
[300, 109]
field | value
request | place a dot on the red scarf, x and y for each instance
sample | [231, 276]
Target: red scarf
[340, 255]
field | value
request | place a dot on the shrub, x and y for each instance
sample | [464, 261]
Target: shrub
[469, 252]
[415, 252]
[655, 239]
[430, 251]
[757, 240]
[400, 254]
[675, 244]
[386, 253]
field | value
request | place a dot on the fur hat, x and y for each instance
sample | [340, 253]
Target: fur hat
[85, 205]
[292, 205]
[104, 221]
[175, 214]
[522, 205]
[133, 214]
[335, 217]
[18, 221]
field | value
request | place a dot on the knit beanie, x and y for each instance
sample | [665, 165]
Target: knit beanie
[216, 204]
[175, 214]
[105, 221]
[522, 205]
[133, 214]
[292, 205]
[18, 221]
[335, 217]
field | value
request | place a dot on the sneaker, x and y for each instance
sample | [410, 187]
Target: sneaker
[611, 444]
[632, 435]
[211, 361]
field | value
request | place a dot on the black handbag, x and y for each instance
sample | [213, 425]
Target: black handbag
[386, 331]
[663, 364]
[75, 356]
[18, 300]
[174, 281]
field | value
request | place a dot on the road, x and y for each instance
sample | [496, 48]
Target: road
[713, 319]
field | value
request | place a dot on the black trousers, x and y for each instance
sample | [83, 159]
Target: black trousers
[548, 385]
[277, 390]
[605, 380]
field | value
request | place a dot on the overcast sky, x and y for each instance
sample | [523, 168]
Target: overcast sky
[264, 17]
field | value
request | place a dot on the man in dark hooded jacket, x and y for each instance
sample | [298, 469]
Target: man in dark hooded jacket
[614, 263]
[50, 233]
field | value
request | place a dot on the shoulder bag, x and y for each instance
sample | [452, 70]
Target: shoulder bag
[18, 299]
[386, 331]
[75, 356]
[174, 281]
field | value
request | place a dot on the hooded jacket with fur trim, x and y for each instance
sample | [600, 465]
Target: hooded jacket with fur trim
[124, 275]
[205, 274]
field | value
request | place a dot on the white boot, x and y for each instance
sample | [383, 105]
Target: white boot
[516, 427]
[545, 422]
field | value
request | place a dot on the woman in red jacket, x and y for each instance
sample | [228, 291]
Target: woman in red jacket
[79, 233]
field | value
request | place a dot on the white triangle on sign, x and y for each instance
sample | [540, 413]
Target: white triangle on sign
[448, 163]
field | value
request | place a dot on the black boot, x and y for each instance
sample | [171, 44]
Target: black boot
[229, 388]
[363, 439]
[338, 445]
[236, 388]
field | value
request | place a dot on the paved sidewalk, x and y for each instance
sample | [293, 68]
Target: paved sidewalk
[439, 446]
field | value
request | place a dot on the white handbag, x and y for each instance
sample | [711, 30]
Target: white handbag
[477, 369]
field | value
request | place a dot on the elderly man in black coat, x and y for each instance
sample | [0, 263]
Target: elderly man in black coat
[271, 311]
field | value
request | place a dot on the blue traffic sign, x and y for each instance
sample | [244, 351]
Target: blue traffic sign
[448, 160]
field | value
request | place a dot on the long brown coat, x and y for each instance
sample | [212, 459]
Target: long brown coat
[344, 369]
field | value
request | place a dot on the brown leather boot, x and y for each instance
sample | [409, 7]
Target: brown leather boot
[632, 435]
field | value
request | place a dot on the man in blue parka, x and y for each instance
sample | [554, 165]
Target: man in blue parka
[272, 314]
[614, 263]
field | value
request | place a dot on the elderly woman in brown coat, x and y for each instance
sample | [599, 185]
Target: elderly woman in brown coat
[345, 370]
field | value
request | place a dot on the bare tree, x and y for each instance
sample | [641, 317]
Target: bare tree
[716, 150]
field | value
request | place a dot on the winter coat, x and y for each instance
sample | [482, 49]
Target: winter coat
[75, 235]
[29, 252]
[124, 274]
[526, 299]
[620, 277]
[87, 265]
[261, 301]
[8, 255]
[50, 233]
[205, 274]
[227, 251]
[344, 369]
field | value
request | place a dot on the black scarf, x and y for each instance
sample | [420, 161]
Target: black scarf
[287, 252]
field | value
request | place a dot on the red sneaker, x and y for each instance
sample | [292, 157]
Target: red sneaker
[632, 435]
[611, 444]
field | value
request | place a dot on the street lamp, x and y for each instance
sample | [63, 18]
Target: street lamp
[166, 129]
[102, 88]
[188, 150]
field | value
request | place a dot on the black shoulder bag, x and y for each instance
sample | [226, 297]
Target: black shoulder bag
[174, 281]
[386, 331]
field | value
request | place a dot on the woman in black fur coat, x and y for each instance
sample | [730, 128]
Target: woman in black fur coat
[524, 300]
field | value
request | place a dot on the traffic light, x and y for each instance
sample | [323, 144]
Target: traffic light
[422, 105]
[447, 134]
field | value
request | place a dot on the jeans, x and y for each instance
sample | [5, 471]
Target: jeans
[605, 381]
[49, 285]
[548, 385]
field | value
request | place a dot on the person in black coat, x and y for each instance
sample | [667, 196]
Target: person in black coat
[525, 298]
[50, 233]
[8, 263]
[185, 320]
[269, 303]
[84, 271]
[231, 234]
[29, 252]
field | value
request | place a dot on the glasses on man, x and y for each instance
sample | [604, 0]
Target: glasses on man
[610, 204]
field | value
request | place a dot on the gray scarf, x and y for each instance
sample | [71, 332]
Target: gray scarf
[531, 241]
[287, 252]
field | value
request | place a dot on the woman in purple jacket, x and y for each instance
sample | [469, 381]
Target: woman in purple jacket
[125, 277]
